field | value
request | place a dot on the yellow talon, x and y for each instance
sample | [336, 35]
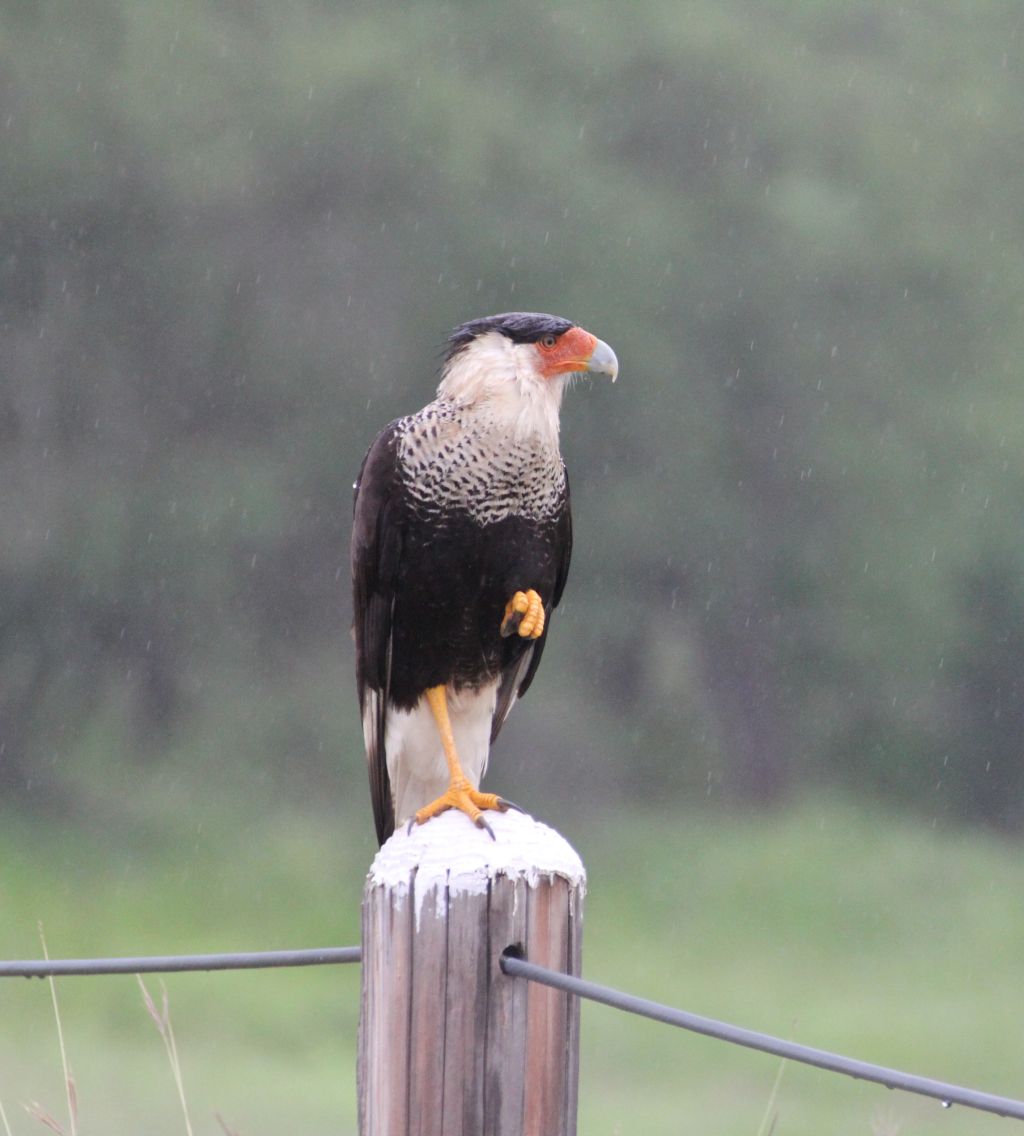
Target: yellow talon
[462, 796]
[524, 613]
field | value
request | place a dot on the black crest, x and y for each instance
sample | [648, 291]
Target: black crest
[520, 327]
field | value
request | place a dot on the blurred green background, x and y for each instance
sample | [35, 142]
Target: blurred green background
[781, 713]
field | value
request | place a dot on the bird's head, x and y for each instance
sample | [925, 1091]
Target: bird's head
[515, 366]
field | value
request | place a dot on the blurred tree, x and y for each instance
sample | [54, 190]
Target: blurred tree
[983, 758]
[233, 239]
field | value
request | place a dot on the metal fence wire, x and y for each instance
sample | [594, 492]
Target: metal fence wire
[169, 964]
[514, 965]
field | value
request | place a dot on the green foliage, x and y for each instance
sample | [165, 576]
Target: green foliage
[235, 235]
[862, 934]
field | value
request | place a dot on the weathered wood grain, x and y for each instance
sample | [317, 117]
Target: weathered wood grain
[505, 1058]
[547, 1014]
[450, 1046]
[384, 1023]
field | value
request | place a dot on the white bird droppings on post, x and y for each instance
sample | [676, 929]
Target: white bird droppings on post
[450, 853]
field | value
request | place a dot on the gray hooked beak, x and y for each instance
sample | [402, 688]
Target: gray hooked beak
[602, 361]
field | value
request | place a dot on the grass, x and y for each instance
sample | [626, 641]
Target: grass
[869, 934]
[882, 939]
[162, 1021]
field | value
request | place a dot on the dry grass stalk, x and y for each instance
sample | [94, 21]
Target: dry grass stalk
[37, 1112]
[4, 1121]
[771, 1117]
[225, 1127]
[162, 1019]
[69, 1081]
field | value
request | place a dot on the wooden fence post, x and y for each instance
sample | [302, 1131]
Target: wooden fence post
[448, 1045]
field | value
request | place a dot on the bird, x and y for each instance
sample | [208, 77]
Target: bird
[461, 541]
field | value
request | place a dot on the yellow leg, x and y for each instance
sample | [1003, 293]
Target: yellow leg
[460, 794]
[524, 613]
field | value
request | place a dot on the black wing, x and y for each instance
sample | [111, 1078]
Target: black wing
[376, 554]
[516, 678]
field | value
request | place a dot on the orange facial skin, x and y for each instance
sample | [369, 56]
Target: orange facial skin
[569, 353]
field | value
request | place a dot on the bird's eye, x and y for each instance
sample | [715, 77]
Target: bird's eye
[549, 340]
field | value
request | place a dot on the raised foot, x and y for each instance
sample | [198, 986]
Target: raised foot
[462, 796]
[524, 613]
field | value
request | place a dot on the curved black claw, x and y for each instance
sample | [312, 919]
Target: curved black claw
[506, 805]
[481, 822]
[409, 826]
[510, 624]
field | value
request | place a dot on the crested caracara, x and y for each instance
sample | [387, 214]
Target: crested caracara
[460, 549]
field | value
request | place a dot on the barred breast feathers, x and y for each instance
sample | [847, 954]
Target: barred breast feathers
[457, 457]
[489, 442]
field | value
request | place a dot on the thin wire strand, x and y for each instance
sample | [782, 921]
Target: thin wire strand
[166, 964]
[834, 1062]
[520, 968]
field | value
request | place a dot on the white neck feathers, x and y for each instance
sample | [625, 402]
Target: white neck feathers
[497, 379]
